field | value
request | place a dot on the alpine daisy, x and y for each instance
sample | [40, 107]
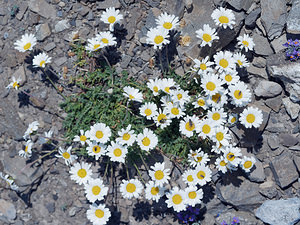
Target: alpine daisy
[251, 117]
[126, 136]
[99, 132]
[176, 198]
[15, 83]
[246, 42]
[162, 118]
[211, 84]
[98, 214]
[203, 66]
[207, 35]
[194, 195]
[95, 149]
[240, 94]
[247, 163]
[95, 190]
[157, 37]
[106, 38]
[32, 127]
[154, 86]
[167, 22]
[159, 174]
[116, 152]
[147, 140]
[224, 61]
[221, 164]
[133, 94]
[217, 115]
[41, 60]
[26, 43]
[223, 17]
[221, 135]
[81, 173]
[111, 16]
[153, 191]
[240, 60]
[232, 155]
[189, 177]
[188, 125]
[149, 110]
[82, 138]
[203, 175]
[26, 153]
[206, 128]
[94, 44]
[131, 188]
[66, 155]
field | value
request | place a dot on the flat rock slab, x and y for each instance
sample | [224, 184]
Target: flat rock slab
[267, 89]
[42, 8]
[293, 19]
[7, 211]
[279, 212]
[291, 108]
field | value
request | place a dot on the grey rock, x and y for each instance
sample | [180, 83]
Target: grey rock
[108, 3]
[73, 211]
[259, 62]
[268, 189]
[274, 103]
[126, 59]
[277, 43]
[20, 73]
[7, 211]
[273, 17]
[288, 140]
[90, 15]
[295, 148]
[62, 25]
[22, 10]
[273, 141]
[48, 47]
[42, 31]
[240, 4]
[257, 174]
[238, 192]
[292, 109]
[60, 61]
[267, 89]
[297, 162]
[284, 170]
[279, 212]
[81, 9]
[250, 20]
[42, 8]
[244, 218]
[260, 72]
[262, 46]
[293, 19]
[50, 207]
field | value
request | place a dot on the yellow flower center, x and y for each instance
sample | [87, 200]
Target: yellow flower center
[66, 155]
[167, 25]
[82, 173]
[190, 178]
[167, 89]
[233, 119]
[146, 141]
[131, 96]
[96, 46]
[15, 84]
[126, 136]
[216, 97]
[223, 163]
[117, 152]
[26, 149]
[161, 117]
[159, 175]
[154, 190]
[27, 46]
[111, 19]
[96, 190]
[216, 116]
[148, 112]
[219, 136]
[42, 63]
[224, 63]
[99, 134]
[82, 138]
[201, 102]
[175, 111]
[155, 89]
[223, 19]
[190, 126]
[248, 164]
[240, 62]
[206, 129]
[130, 188]
[228, 78]
[96, 149]
[203, 66]
[105, 40]
[201, 175]
[192, 194]
[246, 43]
[210, 86]
[177, 199]
[199, 159]
[250, 118]
[230, 156]
[206, 37]
[99, 213]
[238, 94]
[179, 96]
[158, 39]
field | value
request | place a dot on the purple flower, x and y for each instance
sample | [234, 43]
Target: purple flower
[224, 223]
[296, 43]
[235, 220]
[288, 43]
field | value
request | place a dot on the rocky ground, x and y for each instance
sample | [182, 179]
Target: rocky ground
[48, 196]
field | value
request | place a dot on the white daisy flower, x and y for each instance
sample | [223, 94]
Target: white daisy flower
[232, 155]
[201, 102]
[48, 135]
[217, 115]
[94, 44]
[224, 61]
[111, 16]
[203, 66]
[233, 118]
[15, 83]
[240, 94]
[165, 100]
[131, 188]
[230, 77]
[99, 132]
[117, 152]
[81, 173]
[66, 155]
[219, 99]
[221, 135]
[98, 214]
[207, 35]
[157, 37]
[174, 111]
[153, 191]
[162, 118]
[246, 42]
[176, 198]
[26, 43]
[218, 148]
[166, 84]
[32, 127]
[247, 163]
[241, 60]
[154, 86]
[197, 157]
[188, 125]
[106, 38]
[203, 175]
[159, 174]
[133, 94]
[223, 17]
[26, 153]
[149, 110]
[167, 22]
[194, 196]
[189, 177]
[221, 164]
[95, 190]
[206, 128]
[251, 117]
[147, 140]
[96, 149]
[180, 96]
[82, 138]
[126, 136]
[41, 60]
[211, 84]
